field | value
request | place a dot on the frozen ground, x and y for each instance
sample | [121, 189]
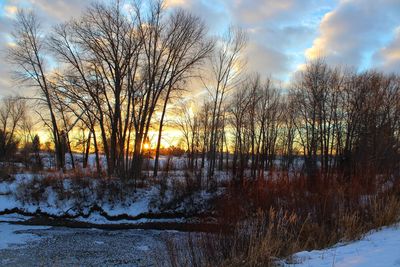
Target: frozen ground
[62, 194]
[377, 249]
[28, 194]
[12, 234]
[60, 246]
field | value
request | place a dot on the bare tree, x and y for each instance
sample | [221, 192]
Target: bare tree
[12, 112]
[187, 46]
[188, 124]
[28, 55]
[311, 93]
[226, 66]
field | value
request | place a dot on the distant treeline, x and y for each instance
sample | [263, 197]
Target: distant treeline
[116, 72]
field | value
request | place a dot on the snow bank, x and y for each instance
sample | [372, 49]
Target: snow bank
[97, 201]
[376, 249]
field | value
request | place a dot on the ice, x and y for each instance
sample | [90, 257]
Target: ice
[10, 234]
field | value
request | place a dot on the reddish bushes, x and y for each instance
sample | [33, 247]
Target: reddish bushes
[279, 216]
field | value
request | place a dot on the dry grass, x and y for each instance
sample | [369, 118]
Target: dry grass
[273, 219]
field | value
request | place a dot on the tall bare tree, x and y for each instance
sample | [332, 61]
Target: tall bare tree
[28, 55]
[226, 66]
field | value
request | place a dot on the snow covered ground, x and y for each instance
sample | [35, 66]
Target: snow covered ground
[67, 197]
[377, 249]
[22, 245]
[61, 246]
[10, 234]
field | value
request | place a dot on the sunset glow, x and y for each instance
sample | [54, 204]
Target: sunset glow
[200, 133]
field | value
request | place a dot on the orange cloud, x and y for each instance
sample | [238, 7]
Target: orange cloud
[10, 10]
[174, 3]
[321, 45]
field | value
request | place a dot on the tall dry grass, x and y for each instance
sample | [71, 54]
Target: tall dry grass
[271, 219]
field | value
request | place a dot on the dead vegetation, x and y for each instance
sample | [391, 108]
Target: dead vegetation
[271, 220]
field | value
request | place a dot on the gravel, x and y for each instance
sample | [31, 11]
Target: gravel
[60, 246]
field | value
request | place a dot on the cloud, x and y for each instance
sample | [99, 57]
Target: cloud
[283, 34]
[280, 29]
[273, 51]
[10, 10]
[211, 12]
[267, 61]
[5, 81]
[353, 30]
[388, 57]
[57, 10]
[49, 11]
[284, 38]
[174, 3]
[256, 11]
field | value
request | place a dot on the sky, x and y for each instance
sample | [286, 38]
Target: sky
[283, 34]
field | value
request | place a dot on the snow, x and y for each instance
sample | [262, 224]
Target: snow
[376, 249]
[96, 218]
[52, 203]
[10, 235]
[6, 203]
[64, 196]
[139, 206]
[14, 217]
[143, 248]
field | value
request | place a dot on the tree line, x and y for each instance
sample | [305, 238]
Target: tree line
[110, 69]
[115, 72]
[339, 122]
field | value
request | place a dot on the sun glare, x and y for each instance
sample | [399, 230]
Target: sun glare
[146, 146]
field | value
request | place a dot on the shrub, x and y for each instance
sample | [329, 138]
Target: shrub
[6, 173]
[274, 218]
